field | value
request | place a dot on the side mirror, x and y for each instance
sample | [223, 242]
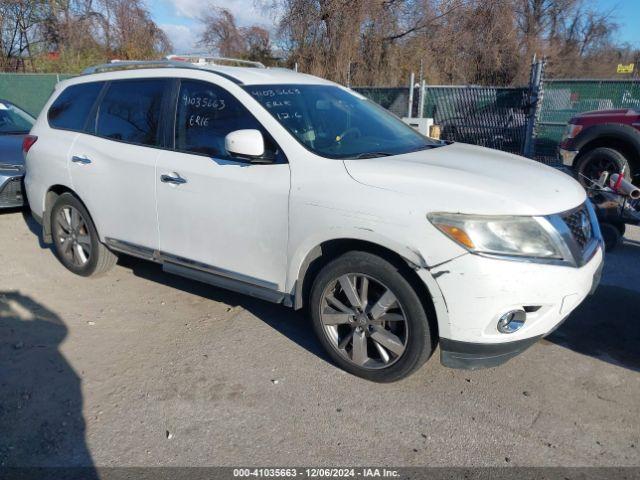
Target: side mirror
[248, 144]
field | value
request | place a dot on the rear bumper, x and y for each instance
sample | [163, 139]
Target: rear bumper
[11, 190]
[473, 356]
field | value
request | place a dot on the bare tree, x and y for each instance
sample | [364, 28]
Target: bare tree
[67, 35]
[222, 35]
[18, 19]
[372, 42]
[258, 44]
[455, 41]
[129, 30]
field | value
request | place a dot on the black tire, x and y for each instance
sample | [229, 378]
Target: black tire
[97, 259]
[622, 228]
[592, 163]
[417, 331]
[611, 236]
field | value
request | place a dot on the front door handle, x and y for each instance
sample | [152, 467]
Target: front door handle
[175, 180]
[80, 160]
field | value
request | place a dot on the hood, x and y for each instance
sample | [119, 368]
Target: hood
[464, 178]
[616, 111]
[11, 150]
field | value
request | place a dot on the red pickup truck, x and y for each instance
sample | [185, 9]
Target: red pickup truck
[603, 140]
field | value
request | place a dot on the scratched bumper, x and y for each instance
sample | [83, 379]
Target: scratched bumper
[478, 290]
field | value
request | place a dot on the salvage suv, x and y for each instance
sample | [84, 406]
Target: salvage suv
[299, 191]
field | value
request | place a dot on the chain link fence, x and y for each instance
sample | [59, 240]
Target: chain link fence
[563, 99]
[394, 99]
[492, 117]
[496, 117]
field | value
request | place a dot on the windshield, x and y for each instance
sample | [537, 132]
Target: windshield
[14, 120]
[332, 122]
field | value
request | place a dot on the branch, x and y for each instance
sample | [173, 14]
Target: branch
[420, 26]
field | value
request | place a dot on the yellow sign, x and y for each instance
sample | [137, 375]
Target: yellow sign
[625, 68]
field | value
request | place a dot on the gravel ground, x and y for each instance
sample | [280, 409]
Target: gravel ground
[141, 368]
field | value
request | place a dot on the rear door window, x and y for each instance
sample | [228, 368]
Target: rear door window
[70, 110]
[130, 111]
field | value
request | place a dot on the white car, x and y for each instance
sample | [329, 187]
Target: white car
[296, 190]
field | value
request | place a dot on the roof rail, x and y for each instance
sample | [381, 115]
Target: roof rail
[134, 64]
[203, 59]
[116, 65]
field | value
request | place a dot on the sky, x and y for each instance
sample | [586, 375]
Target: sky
[179, 18]
[626, 13]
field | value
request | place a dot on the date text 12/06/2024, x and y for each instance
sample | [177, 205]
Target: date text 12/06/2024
[315, 472]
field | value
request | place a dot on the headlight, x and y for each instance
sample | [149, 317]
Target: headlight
[499, 235]
[572, 130]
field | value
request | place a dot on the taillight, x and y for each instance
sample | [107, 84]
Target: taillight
[28, 142]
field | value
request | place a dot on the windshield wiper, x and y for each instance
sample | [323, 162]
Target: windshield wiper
[373, 155]
[428, 147]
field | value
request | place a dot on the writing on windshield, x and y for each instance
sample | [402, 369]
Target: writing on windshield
[333, 122]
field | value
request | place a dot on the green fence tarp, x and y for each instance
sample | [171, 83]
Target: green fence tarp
[29, 91]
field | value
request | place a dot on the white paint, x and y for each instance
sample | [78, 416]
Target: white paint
[248, 143]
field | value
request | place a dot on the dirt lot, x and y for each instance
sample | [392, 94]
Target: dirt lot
[144, 368]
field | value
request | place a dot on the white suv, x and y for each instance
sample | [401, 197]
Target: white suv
[299, 191]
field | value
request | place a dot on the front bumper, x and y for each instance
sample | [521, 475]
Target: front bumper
[567, 156]
[474, 356]
[11, 189]
[477, 291]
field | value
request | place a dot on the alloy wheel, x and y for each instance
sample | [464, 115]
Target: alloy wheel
[73, 237]
[364, 321]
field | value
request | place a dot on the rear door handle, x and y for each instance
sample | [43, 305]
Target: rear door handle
[80, 160]
[175, 180]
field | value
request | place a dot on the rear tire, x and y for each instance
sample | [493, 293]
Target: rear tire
[369, 318]
[76, 241]
[601, 159]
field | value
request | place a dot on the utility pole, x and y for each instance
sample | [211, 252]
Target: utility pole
[412, 80]
[535, 100]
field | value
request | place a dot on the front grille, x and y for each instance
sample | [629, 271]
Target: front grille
[579, 223]
[11, 194]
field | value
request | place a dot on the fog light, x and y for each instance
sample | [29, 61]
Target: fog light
[512, 321]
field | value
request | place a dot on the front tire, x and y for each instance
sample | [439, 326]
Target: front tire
[76, 240]
[612, 236]
[599, 160]
[369, 318]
